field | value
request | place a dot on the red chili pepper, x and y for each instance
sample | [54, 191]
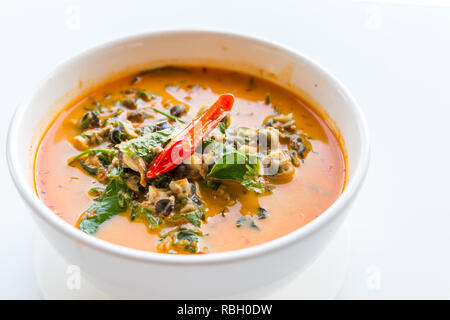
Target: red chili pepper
[183, 145]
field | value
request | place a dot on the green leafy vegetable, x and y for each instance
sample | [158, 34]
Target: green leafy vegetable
[232, 166]
[254, 185]
[107, 154]
[138, 210]
[144, 95]
[105, 159]
[195, 217]
[188, 238]
[89, 169]
[112, 117]
[94, 191]
[267, 99]
[143, 145]
[165, 69]
[159, 70]
[114, 200]
[222, 127]
[235, 165]
[217, 147]
[224, 124]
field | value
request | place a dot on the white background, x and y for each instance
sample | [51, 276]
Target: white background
[394, 56]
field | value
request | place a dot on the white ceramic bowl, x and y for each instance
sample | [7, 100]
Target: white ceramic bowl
[128, 273]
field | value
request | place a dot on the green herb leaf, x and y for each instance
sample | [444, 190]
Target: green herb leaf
[195, 217]
[94, 191]
[114, 200]
[254, 185]
[235, 165]
[144, 95]
[165, 69]
[107, 154]
[221, 127]
[224, 124]
[112, 117]
[138, 210]
[188, 238]
[159, 70]
[143, 145]
[232, 167]
[89, 169]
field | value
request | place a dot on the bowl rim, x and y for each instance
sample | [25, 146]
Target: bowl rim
[65, 229]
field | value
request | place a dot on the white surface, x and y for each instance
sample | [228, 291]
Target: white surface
[394, 59]
[322, 280]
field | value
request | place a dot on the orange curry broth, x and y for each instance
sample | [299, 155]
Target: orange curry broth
[316, 184]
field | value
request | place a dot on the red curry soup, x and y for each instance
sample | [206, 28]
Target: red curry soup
[189, 161]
